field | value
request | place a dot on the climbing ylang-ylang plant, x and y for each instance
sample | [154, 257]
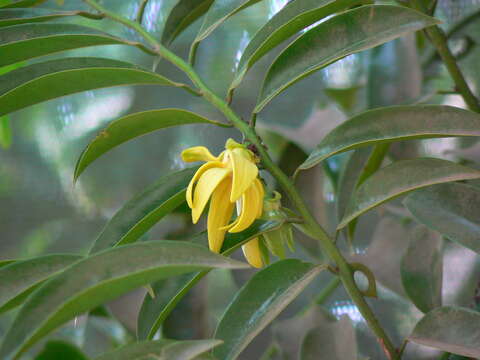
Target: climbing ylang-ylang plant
[361, 165]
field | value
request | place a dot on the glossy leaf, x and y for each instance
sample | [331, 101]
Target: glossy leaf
[161, 349]
[452, 329]
[11, 4]
[29, 41]
[259, 301]
[344, 34]
[456, 215]
[183, 14]
[331, 341]
[422, 268]
[144, 210]
[20, 278]
[169, 292]
[40, 82]
[10, 17]
[220, 11]
[400, 178]
[292, 18]
[395, 123]
[60, 350]
[132, 126]
[115, 272]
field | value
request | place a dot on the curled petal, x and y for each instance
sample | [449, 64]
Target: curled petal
[198, 174]
[251, 251]
[206, 185]
[261, 193]
[197, 153]
[219, 215]
[244, 172]
[250, 204]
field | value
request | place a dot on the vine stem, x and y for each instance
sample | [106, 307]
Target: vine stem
[345, 272]
[439, 40]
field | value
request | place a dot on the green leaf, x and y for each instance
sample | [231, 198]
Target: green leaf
[144, 210]
[5, 132]
[350, 32]
[183, 14]
[456, 212]
[452, 329]
[292, 18]
[259, 301]
[40, 82]
[6, 262]
[400, 178]
[20, 278]
[29, 41]
[132, 126]
[100, 278]
[10, 17]
[421, 269]
[330, 341]
[395, 123]
[60, 350]
[168, 293]
[7, 4]
[164, 349]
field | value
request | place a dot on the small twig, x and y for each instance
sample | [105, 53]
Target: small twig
[402, 348]
[141, 11]
[253, 120]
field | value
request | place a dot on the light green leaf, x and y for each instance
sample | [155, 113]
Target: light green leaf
[144, 210]
[169, 292]
[330, 341]
[10, 17]
[20, 278]
[395, 123]
[451, 209]
[259, 301]
[7, 4]
[292, 18]
[29, 41]
[400, 178]
[183, 14]
[452, 329]
[100, 278]
[161, 350]
[350, 32]
[5, 132]
[132, 126]
[422, 269]
[40, 82]
[60, 350]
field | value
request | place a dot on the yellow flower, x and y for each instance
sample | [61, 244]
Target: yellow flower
[227, 180]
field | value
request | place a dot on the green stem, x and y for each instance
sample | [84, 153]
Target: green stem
[439, 41]
[328, 290]
[141, 11]
[345, 271]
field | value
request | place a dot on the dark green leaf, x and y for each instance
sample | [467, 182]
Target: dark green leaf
[161, 349]
[100, 278]
[400, 178]
[143, 211]
[168, 293]
[28, 41]
[259, 301]
[395, 123]
[422, 268]
[20, 278]
[331, 341]
[60, 350]
[133, 126]
[7, 262]
[7, 4]
[451, 209]
[183, 14]
[350, 32]
[9, 17]
[451, 329]
[292, 18]
[5, 132]
[40, 82]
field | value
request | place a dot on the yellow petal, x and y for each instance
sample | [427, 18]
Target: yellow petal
[251, 251]
[249, 210]
[200, 171]
[197, 153]
[261, 194]
[204, 189]
[219, 214]
[244, 171]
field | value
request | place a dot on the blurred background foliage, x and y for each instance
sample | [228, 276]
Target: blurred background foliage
[42, 212]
